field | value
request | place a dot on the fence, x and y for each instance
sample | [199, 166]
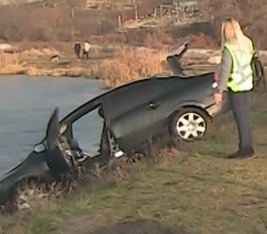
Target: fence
[109, 4]
[178, 11]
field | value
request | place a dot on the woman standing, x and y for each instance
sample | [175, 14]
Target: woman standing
[236, 81]
[86, 48]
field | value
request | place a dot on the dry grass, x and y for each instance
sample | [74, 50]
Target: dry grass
[36, 62]
[34, 53]
[119, 65]
[128, 66]
[57, 72]
[16, 63]
[10, 64]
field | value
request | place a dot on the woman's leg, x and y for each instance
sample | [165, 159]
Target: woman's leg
[239, 104]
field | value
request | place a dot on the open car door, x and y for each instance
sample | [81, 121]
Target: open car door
[54, 156]
[174, 59]
[52, 130]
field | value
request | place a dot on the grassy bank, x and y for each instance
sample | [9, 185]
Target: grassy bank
[196, 187]
[113, 68]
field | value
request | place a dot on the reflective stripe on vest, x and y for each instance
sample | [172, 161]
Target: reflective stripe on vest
[241, 77]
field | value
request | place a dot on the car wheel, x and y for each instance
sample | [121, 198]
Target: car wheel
[189, 124]
[30, 195]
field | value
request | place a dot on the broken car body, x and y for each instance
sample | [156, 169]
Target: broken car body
[177, 107]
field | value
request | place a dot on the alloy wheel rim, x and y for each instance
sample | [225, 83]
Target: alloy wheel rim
[191, 126]
[30, 197]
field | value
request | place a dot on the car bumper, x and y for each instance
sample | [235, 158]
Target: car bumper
[219, 108]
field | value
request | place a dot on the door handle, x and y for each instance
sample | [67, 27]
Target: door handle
[154, 105]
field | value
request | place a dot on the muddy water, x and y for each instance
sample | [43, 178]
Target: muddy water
[26, 105]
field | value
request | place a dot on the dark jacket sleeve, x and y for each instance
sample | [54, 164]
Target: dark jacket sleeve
[225, 70]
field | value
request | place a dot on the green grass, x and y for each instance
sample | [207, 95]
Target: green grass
[198, 188]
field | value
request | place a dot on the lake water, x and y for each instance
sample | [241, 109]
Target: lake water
[26, 105]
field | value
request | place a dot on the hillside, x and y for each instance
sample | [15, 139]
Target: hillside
[143, 23]
[7, 2]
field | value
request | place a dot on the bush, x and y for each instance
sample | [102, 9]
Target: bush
[128, 66]
[10, 64]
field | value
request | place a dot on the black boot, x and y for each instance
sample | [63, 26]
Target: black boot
[247, 152]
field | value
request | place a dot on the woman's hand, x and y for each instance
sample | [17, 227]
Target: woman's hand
[218, 97]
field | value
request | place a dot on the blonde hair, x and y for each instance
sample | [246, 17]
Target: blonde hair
[231, 32]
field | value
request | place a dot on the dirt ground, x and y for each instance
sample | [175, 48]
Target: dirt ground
[141, 227]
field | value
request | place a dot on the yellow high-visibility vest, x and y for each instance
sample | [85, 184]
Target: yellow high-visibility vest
[241, 77]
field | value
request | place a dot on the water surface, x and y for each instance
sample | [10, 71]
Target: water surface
[26, 105]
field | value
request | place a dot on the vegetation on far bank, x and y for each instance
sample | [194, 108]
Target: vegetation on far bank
[68, 21]
[195, 187]
[120, 68]
[113, 68]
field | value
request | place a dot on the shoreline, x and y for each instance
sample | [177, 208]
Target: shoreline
[77, 72]
[113, 66]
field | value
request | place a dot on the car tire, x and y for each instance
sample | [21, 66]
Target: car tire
[188, 125]
[28, 195]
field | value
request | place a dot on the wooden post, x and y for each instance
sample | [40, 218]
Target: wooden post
[100, 27]
[119, 22]
[123, 15]
[155, 12]
[72, 31]
[72, 13]
[136, 12]
[212, 19]
[177, 12]
[160, 10]
[122, 39]
[170, 11]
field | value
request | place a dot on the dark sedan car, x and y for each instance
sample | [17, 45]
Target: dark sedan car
[177, 106]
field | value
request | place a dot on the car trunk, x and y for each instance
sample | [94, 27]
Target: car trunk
[174, 60]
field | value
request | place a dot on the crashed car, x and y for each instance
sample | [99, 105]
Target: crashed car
[176, 106]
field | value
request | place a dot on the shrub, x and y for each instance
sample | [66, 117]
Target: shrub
[10, 64]
[128, 66]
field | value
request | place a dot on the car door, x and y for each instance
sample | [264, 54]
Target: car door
[52, 130]
[54, 157]
[136, 114]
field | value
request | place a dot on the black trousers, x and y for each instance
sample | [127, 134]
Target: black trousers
[239, 104]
